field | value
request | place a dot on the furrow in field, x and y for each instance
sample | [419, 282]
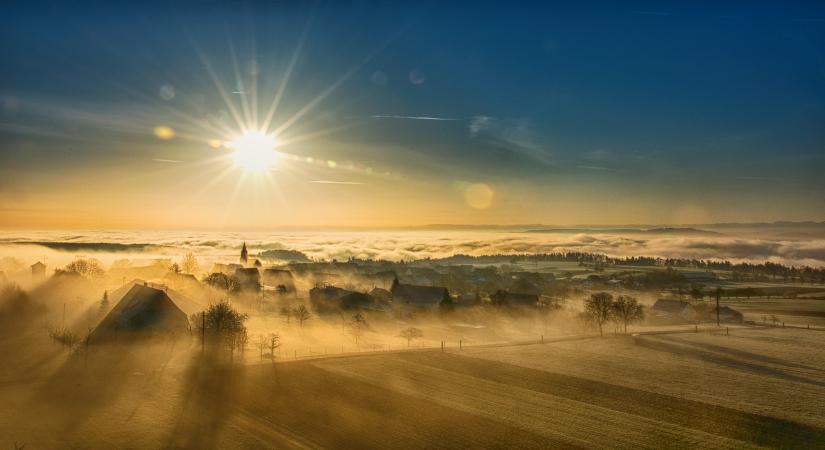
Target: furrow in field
[578, 423]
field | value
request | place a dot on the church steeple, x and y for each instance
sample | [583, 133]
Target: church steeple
[244, 254]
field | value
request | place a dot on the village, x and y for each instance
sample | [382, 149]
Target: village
[467, 299]
[179, 342]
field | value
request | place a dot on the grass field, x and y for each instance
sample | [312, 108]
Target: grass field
[754, 388]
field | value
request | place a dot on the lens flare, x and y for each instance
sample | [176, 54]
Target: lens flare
[479, 195]
[163, 132]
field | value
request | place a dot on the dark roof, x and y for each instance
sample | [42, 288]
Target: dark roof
[670, 305]
[419, 295]
[355, 300]
[143, 309]
[328, 293]
[514, 298]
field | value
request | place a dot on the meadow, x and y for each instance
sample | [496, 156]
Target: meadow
[753, 387]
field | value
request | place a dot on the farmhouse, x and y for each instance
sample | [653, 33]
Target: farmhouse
[142, 311]
[327, 299]
[675, 311]
[38, 270]
[726, 314]
[504, 298]
[419, 296]
[279, 277]
[249, 277]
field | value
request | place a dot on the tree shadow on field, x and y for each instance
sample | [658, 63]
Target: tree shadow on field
[88, 382]
[722, 360]
[751, 356]
[208, 398]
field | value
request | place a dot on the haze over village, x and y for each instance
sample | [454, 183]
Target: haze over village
[374, 225]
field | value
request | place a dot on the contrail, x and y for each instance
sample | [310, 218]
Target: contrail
[446, 119]
[334, 182]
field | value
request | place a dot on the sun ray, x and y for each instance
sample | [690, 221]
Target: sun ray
[239, 85]
[224, 95]
[287, 74]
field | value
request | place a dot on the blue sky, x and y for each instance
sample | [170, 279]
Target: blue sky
[686, 112]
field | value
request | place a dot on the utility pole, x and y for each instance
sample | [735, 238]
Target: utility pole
[203, 330]
[718, 294]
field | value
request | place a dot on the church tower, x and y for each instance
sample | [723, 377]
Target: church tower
[244, 254]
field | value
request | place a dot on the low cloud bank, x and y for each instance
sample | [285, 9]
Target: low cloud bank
[408, 245]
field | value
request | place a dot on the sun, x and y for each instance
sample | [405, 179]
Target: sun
[254, 151]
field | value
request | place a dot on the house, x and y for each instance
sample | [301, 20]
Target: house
[227, 269]
[279, 277]
[418, 296]
[143, 311]
[249, 278]
[504, 298]
[356, 300]
[468, 299]
[726, 314]
[673, 311]
[38, 270]
[327, 299]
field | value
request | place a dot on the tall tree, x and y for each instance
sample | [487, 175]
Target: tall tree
[189, 264]
[358, 326]
[599, 307]
[301, 314]
[627, 310]
[411, 333]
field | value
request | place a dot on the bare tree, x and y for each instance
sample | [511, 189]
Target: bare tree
[89, 268]
[627, 310]
[358, 326]
[274, 341]
[411, 333]
[263, 343]
[189, 264]
[301, 314]
[599, 307]
[286, 313]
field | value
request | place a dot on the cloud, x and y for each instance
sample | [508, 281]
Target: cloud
[406, 245]
[171, 161]
[596, 168]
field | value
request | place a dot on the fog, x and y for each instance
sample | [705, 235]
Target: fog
[789, 245]
[63, 380]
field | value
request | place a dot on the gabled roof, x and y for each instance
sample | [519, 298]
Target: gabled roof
[515, 298]
[419, 295]
[143, 309]
[670, 305]
[38, 264]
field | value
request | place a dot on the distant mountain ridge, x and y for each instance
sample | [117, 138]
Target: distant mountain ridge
[663, 230]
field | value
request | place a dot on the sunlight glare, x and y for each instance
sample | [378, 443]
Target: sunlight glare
[254, 151]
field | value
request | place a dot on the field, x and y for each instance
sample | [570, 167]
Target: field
[753, 388]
